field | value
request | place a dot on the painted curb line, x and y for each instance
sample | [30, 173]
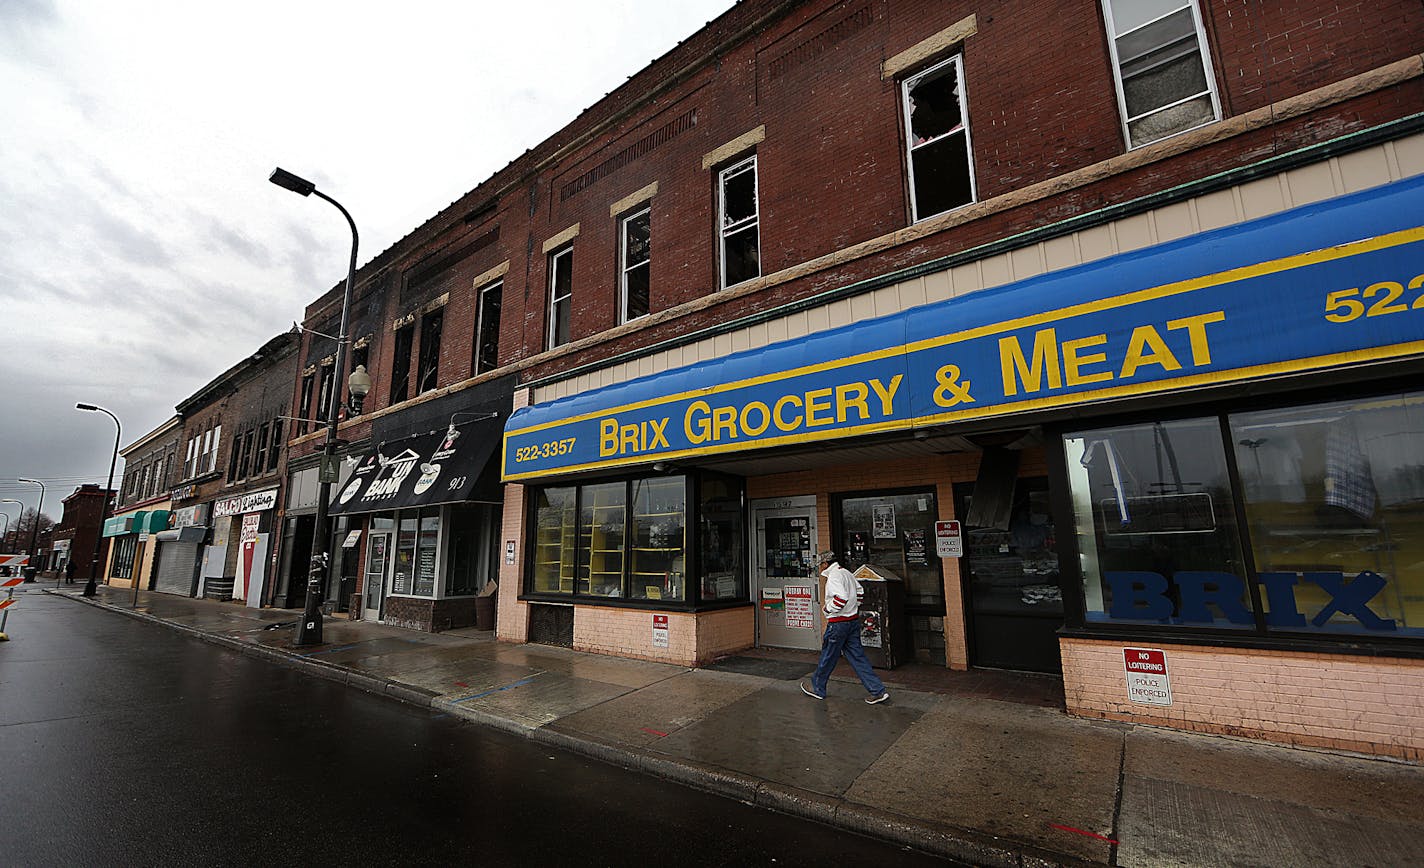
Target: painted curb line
[963, 845]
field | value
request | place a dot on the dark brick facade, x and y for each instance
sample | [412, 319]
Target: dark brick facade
[80, 524]
[430, 615]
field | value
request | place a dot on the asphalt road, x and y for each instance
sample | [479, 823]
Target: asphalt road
[124, 743]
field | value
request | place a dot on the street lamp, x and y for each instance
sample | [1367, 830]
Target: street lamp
[309, 629]
[91, 588]
[34, 531]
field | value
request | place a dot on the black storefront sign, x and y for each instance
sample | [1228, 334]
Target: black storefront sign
[428, 469]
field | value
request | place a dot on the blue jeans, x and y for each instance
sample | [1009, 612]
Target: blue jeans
[843, 637]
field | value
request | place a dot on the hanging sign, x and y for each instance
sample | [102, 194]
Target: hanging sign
[660, 631]
[949, 543]
[1147, 680]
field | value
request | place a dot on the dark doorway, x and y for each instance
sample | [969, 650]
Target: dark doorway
[1012, 587]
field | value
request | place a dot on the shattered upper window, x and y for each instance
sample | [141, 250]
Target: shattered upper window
[1164, 86]
[561, 281]
[637, 241]
[937, 128]
[741, 241]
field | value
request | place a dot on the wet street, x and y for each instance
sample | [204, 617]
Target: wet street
[124, 743]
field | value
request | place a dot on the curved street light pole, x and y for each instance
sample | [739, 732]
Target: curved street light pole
[7, 520]
[309, 630]
[35, 531]
[91, 587]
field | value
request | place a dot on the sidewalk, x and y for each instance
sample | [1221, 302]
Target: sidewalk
[944, 766]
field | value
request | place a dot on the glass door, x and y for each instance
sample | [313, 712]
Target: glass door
[786, 586]
[378, 547]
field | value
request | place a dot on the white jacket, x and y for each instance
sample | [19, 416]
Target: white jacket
[843, 594]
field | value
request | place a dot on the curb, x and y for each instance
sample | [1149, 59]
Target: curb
[964, 845]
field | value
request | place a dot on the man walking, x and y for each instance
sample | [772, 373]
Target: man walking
[843, 595]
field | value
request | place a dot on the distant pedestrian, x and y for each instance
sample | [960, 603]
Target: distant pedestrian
[69, 572]
[843, 595]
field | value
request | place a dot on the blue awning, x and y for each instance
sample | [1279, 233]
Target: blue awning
[1327, 284]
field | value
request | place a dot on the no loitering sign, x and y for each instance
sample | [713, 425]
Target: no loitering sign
[1147, 679]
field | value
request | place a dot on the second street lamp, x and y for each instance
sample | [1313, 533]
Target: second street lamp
[309, 629]
[34, 532]
[92, 587]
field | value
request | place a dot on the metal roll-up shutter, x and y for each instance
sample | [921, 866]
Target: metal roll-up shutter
[175, 567]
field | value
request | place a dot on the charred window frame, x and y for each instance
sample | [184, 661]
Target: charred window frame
[323, 401]
[428, 372]
[487, 329]
[739, 223]
[561, 290]
[400, 363]
[304, 404]
[274, 454]
[634, 259]
[244, 463]
[259, 455]
[232, 465]
[939, 156]
[1161, 69]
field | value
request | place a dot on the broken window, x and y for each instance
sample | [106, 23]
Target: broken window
[428, 373]
[561, 283]
[487, 333]
[937, 132]
[636, 247]
[304, 411]
[323, 401]
[741, 241]
[1161, 71]
[400, 364]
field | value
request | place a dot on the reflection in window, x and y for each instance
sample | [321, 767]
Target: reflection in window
[1334, 497]
[723, 562]
[637, 247]
[1155, 525]
[895, 532]
[740, 223]
[1162, 79]
[601, 522]
[659, 531]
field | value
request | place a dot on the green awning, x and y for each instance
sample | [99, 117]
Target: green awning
[118, 525]
[151, 522]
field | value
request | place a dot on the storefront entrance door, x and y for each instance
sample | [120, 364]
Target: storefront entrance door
[377, 568]
[1015, 597]
[786, 589]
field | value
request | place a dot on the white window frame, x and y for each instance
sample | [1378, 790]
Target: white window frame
[480, 323]
[1202, 49]
[624, 267]
[723, 230]
[555, 301]
[910, 147]
[213, 456]
[190, 462]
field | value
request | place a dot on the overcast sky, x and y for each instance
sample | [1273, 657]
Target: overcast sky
[142, 251]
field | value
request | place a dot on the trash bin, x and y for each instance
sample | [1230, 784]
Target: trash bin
[884, 629]
[30, 573]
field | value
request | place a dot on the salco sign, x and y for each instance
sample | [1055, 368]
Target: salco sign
[254, 502]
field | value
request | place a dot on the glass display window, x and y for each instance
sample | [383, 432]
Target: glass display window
[894, 531]
[659, 539]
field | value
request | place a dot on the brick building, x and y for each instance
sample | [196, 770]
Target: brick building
[1102, 346]
[227, 501]
[77, 532]
[143, 507]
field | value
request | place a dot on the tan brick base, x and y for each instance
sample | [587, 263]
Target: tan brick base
[1366, 704]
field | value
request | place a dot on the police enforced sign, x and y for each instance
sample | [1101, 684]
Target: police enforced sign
[1147, 680]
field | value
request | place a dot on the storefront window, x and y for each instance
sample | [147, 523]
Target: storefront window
[659, 539]
[721, 545]
[895, 532]
[554, 541]
[601, 523]
[427, 556]
[125, 550]
[1334, 498]
[471, 551]
[629, 540]
[1155, 525]
[403, 582]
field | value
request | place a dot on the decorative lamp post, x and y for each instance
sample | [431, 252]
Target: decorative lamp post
[34, 531]
[309, 629]
[91, 587]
